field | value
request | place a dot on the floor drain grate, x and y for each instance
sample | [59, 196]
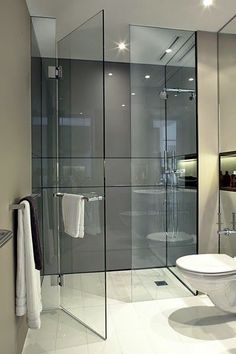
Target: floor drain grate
[161, 283]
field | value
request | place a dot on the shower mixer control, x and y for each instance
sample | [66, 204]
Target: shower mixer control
[226, 232]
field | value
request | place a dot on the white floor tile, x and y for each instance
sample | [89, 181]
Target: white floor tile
[124, 317]
[188, 324]
[46, 346]
[99, 346]
[134, 342]
[73, 350]
[49, 326]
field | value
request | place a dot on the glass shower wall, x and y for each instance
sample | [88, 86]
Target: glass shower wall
[81, 171]
[181, 134]
[44, 135]
[163, 141]
[68, 157]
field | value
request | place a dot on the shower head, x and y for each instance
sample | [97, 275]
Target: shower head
[163, 95]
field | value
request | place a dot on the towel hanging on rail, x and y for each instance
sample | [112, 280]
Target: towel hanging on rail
[38, 259]
[73, 214]
[28, 287]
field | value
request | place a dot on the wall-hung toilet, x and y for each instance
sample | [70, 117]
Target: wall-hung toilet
[213, 274]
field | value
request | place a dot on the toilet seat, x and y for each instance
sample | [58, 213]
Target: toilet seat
[210, 264]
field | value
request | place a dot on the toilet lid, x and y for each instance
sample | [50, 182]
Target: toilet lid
[207, 263]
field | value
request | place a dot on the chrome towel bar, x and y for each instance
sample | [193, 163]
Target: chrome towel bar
[87, 199]
[21, 206]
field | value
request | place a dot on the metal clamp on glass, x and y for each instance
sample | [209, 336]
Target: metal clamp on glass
[226, 232]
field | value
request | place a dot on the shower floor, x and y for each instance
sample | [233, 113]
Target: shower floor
[122, 286]
[140, 285]
[83, 295]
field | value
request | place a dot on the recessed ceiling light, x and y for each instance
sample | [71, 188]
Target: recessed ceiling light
[122, 46]
[110, 74]
[81, 113]
[191, 79]
[207, 3]
[123, 105]
[169, 50]
[147, 76]
[133, 94]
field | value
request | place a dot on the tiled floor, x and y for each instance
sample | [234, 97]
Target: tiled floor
[173, 321]
[144, 287]
[139, 285]
[186, 325]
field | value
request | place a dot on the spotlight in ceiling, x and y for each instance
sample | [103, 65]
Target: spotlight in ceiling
[147, 76]
[191, 79]
[207, 3]
[122, 46]
[110, 74]
[123, 105]
[133, 94]
[169, 50]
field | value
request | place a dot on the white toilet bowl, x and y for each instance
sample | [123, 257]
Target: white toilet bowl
[213, 274]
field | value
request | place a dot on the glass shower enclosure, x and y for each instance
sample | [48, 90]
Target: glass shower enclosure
[70, 153]
[136, 167]
[163, 157]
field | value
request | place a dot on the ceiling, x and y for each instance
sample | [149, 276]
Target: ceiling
[179, 14]
[230, 27]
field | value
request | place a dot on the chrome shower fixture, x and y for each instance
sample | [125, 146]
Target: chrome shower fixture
[192, 96]
[164, 93]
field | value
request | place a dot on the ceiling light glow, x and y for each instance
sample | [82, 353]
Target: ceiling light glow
[147, 76]
[191, 79]
[133, 94]
[207, 3]
[169, 50]
[110, 74]
[123, 105]
[122, 46]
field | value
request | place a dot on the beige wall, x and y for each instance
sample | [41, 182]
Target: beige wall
[227, 79]
[208, 142]
[15, 153]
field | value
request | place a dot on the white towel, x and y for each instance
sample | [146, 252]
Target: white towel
[73, 215]
[28, 288]
[92, 218]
